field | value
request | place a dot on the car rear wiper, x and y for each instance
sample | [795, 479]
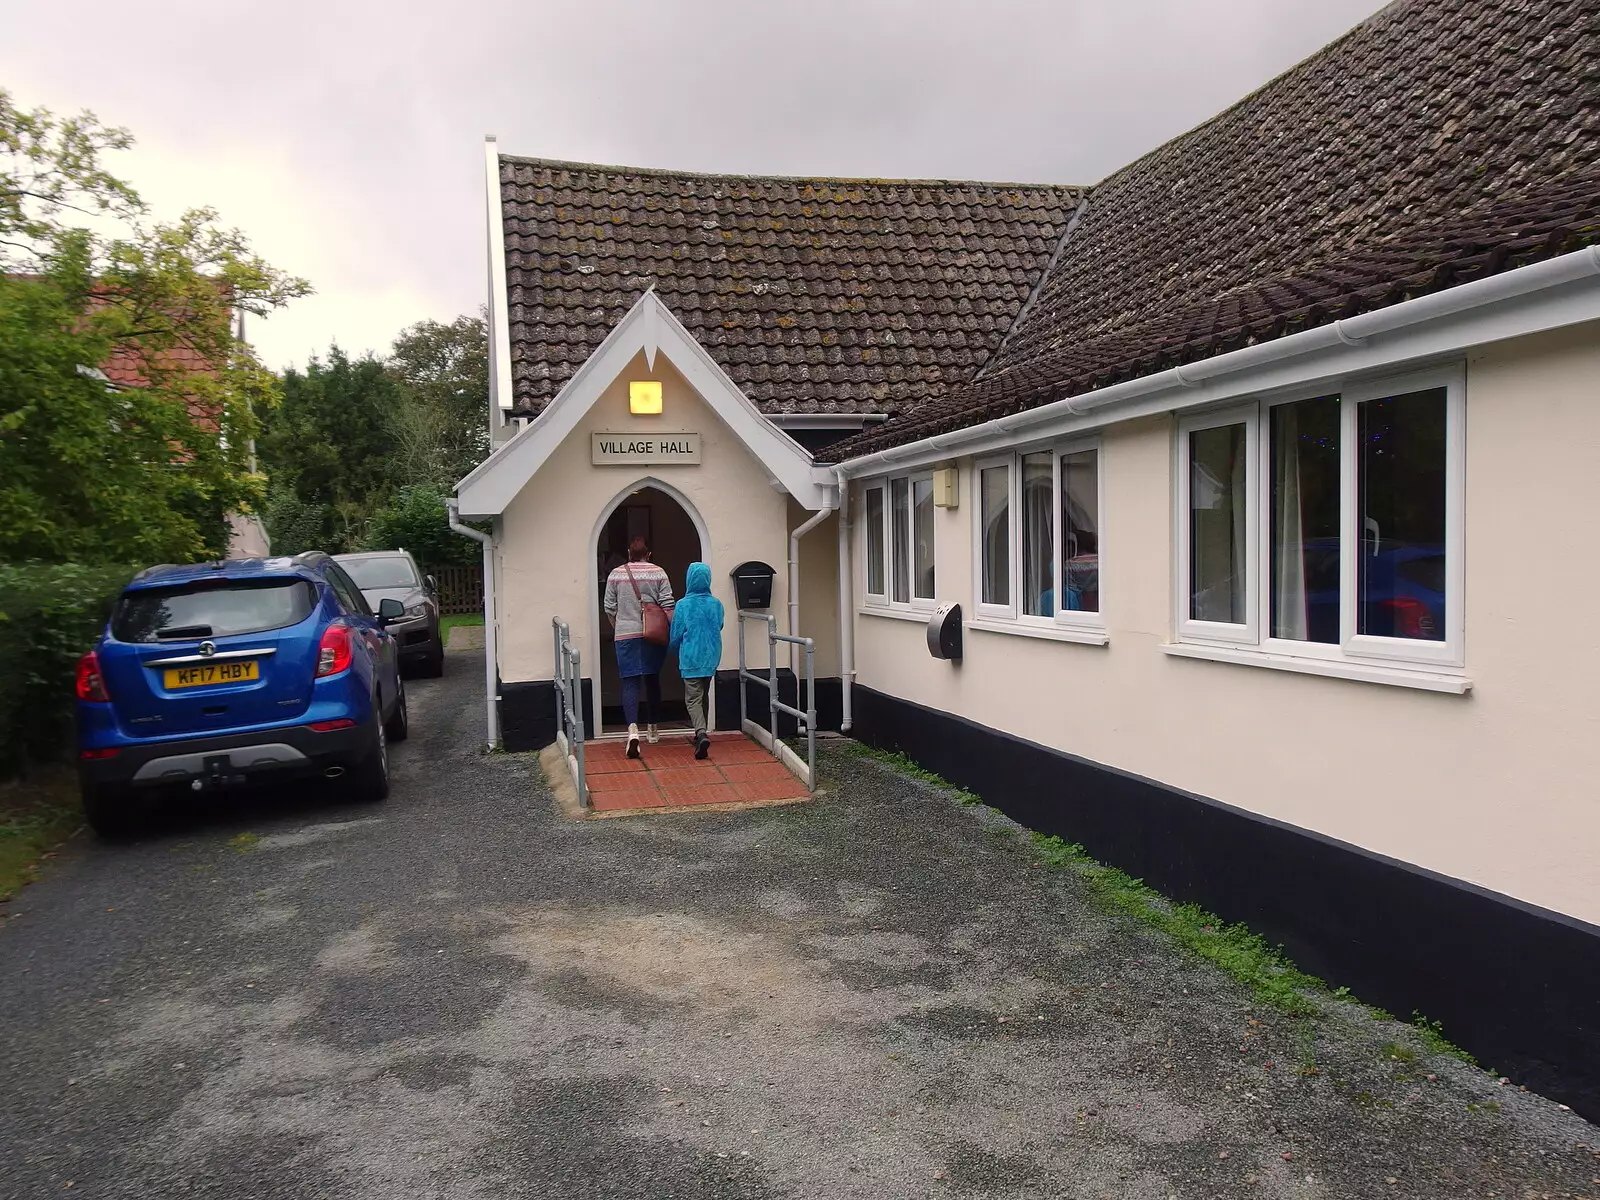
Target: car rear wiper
[179, 632]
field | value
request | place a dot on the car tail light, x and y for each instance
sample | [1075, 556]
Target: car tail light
[329, 726]
[91, 684]
[333, 655]
[1411, 618]
[102, 752]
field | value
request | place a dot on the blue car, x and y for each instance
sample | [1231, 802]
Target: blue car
[233, 673]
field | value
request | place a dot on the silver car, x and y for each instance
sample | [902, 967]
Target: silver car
[394, 575]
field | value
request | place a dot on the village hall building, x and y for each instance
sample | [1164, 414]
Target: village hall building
[1265, 475]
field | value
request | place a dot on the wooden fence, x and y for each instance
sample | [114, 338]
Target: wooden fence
[460, 588]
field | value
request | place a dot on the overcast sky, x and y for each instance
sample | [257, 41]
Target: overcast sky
[346, 138]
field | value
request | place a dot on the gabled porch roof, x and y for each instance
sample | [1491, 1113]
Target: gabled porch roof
[651, 328]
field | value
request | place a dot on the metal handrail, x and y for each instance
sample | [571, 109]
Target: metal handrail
[569, 706]
[807, 716]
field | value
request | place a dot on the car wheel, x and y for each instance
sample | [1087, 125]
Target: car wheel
[112, 813]
[370, 779]
[399, 724]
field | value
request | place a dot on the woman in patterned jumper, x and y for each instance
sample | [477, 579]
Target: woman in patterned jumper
[629, 588]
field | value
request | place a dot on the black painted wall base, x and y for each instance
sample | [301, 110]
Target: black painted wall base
[1517, 986]
[528, 710]
[528, 713]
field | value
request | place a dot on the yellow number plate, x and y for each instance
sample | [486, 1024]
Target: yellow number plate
[223, 672]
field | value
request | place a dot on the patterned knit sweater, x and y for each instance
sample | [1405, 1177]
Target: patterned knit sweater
[623, 606]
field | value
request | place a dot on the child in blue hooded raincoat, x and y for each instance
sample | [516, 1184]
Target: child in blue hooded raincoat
[697, 638]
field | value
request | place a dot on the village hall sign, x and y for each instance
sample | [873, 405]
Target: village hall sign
[632, 449]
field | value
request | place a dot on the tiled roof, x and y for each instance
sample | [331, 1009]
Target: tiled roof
[1430, 259]
[1438, 141]
[814, 295]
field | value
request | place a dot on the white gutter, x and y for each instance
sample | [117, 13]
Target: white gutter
[1351, 332]
[847, 613]
[491, 659]
[817, 518]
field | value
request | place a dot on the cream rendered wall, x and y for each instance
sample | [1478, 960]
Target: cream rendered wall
[1500, 787]
[819, 591]
[547, 534]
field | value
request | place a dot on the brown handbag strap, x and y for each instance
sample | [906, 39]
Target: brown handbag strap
[637, 594]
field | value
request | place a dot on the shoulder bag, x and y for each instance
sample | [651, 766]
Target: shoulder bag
[657, 628]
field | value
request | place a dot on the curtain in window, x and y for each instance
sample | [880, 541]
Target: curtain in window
[1305, 520]
[875, 541]
[1038, 536]
[1288, 538]
[922, 539]
[995, 514]
[900, 547]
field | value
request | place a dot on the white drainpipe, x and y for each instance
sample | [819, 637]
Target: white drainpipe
[847, 595]
[491, 661]
[817, 518]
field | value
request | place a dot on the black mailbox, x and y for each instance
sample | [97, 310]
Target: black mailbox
[944, 632]
[752, 584]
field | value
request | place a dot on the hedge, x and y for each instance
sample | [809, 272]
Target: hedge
[49, 615]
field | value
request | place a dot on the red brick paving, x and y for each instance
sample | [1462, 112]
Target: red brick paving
[668, 775]
[770, 789]
[749, 772]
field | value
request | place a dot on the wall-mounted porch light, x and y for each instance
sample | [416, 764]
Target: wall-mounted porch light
[644, 397]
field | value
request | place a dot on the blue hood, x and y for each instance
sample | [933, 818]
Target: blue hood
[698, 578]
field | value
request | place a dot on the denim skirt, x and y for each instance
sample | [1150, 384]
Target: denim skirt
[635, 656]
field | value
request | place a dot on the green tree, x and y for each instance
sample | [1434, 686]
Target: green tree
[416, 520]
[328, 444]
[441, 428]
[126, 400]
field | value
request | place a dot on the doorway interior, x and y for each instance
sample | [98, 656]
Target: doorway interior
[674, 542]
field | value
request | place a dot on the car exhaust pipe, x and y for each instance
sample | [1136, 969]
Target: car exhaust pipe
[333, 772]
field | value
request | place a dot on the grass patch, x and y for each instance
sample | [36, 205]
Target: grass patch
[1400, 1054]
[1243, 954]
[36, 816]
[446, 624]
[1432, 1035]
[243, 843]
[896, 761]
[1273, 979]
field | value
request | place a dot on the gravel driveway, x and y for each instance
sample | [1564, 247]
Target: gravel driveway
[881, 994]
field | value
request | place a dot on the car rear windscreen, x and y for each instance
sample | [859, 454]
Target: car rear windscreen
[370, 573]
[211, 609]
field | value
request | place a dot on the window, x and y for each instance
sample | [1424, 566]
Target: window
[994, 517]
[209, 610]
[349, 594]
[1327, 526]
[1040, 566]
[875, 542]
[899, 542]
[389, 571]
[922, 538]
[900, 546]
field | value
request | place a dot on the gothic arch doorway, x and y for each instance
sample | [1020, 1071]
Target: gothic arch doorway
[671, 527]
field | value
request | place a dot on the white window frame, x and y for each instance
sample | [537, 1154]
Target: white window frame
[1189, 629]
[1353, 650]
[885, 600]
[875, 599]
[1450, 651]
[1063, 619]
[987, 611]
